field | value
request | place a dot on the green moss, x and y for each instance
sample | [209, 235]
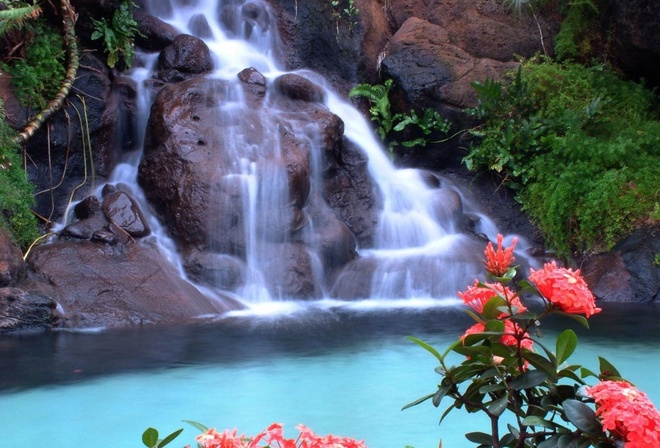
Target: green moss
[16, 198]
[37, 76]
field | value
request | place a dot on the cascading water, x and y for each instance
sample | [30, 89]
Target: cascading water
[417, 250]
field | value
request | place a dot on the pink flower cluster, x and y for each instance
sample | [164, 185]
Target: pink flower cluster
[565, 289]
[273, 436]
[627, 413]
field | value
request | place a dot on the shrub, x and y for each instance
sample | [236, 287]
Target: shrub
[118, 34]
[578, 145]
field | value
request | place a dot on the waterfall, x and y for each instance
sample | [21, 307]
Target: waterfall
[419, 253]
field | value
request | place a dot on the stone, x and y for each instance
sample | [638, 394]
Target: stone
[21, 311]
[122, 210]
[187, 54]
[99, 285]
[155, 35]
[12, 267]
[296, 87]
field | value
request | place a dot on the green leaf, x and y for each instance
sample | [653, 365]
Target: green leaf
[497, 407]
[582, 416]
[169, 438]
[576, 317]
[196, 425]
[427, 347]
[150, 437]
[552, 442]
[418, 401]
[566, 344]
[491, 310]
[607, 369]
[542, 364]
[533, 420]
[529, 379]
[480, 437]
[440, 394]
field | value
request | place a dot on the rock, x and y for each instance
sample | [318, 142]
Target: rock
[199, 26]
[122, 210]
[289, 272]
[12, 267]
[220, 271]
[187, 54]
[21, 310]
[298, 88]
[431, 70]
[107, 286]
[155, 34]
[630, 272]
[636, 25]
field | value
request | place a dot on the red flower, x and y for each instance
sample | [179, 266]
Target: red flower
[512, 334]
[498, 261]
[476, 296]
[565, 289]
[627, 413]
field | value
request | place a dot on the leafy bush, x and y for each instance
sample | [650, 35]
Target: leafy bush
[579, 146]
[118, 34]
[37, 76]
[16, 197]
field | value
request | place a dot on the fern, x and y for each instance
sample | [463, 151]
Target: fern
[14, 16]
[380, 110]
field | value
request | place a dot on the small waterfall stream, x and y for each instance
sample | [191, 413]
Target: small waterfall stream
[418, 252]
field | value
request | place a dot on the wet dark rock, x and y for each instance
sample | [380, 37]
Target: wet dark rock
[84, 229]
[253, 82]
[87, 208]
[21, 311]
[122, 210]
[289, 273]
[105, 237]
[448, 209]
[100, 285]
[296, 87]
[186, 54]
[155, 34]
[630, 271]
[12, 267]
[215, 270]
[350, 191]
[199, 26]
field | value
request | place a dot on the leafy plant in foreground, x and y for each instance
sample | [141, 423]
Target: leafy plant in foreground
[544, 399]
[118, 34]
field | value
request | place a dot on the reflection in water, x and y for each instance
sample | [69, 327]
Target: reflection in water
[341, 372]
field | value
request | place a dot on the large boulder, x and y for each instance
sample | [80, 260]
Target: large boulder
[630, 272]
[102, 285]
[233, 179]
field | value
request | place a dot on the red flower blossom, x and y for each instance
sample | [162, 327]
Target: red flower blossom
[476, 296]
[512, 333]
[627, 413]
[565, 289]
[498, 261]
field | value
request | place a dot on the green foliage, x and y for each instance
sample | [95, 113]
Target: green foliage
[150, 438]
[578, 145]
[39, 74]
[415, 129]
[345, 9]
[118, 34]
[572, 43]
[16, 14]
[16, 197]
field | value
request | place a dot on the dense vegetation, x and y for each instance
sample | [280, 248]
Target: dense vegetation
[578, 144]
[15, 191]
